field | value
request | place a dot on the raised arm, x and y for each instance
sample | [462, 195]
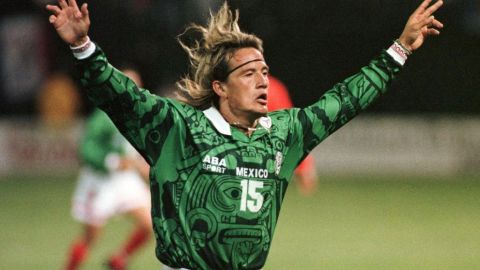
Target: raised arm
[136, 112]
[351, 96]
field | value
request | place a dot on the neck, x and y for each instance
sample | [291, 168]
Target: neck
[245, 119]
[246, 128]
[246, 124]
[242, 127]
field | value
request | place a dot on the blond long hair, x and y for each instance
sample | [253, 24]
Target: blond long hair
[209, 55]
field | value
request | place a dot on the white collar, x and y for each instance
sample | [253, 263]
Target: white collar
[223, 126]
[218, 121]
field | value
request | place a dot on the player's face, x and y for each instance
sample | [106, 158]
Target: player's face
[246, 88]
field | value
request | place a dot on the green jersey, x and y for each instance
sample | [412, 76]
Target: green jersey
[217, 193]
[101, 138]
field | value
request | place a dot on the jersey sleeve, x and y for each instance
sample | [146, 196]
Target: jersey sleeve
[138, 114]
[343, 102]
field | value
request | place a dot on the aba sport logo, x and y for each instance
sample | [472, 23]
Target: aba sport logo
[214, 164]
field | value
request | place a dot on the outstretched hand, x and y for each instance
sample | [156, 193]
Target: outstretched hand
[420, 25]
[70, 21]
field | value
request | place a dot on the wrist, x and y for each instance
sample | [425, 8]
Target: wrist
[398, 53]
[80, 42]
[406, 48]
[84, 50]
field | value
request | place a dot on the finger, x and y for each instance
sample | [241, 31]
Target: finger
[430, 19]
[78, 12]
[433, 32]
[52, 19]
[433, 8]
[84, 10]
[73, 4]
[427, 21]
[437, 24]
[422, 6]
[62, 4]
[54, 9]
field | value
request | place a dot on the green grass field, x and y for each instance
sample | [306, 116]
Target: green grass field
[351, 223]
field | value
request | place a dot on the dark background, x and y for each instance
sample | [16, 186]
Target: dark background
[309, 44]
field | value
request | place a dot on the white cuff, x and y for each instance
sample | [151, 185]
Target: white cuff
[397, 54]
[83, 51]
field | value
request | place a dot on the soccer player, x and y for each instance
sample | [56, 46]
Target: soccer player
[219, 162]
[278, 99]
[111, 182]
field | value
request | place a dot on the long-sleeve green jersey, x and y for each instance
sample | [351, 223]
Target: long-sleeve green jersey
[216, 192]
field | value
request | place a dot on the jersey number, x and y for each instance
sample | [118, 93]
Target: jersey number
[251, 198]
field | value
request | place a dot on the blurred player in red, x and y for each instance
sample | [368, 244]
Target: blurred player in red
[110, 183]
[306, 173]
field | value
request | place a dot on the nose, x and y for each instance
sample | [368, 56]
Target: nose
[263, 81]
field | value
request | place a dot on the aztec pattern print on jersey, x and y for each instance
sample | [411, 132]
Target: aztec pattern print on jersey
[216, 197]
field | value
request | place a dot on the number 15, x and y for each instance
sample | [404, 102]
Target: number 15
[251, 198]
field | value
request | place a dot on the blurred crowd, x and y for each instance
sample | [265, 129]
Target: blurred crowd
[143, 32]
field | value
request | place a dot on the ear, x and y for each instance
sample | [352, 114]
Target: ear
[218, 88]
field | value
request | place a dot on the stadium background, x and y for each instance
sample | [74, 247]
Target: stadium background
[398, 187]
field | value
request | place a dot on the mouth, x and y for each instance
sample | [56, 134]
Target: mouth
[262, 99]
